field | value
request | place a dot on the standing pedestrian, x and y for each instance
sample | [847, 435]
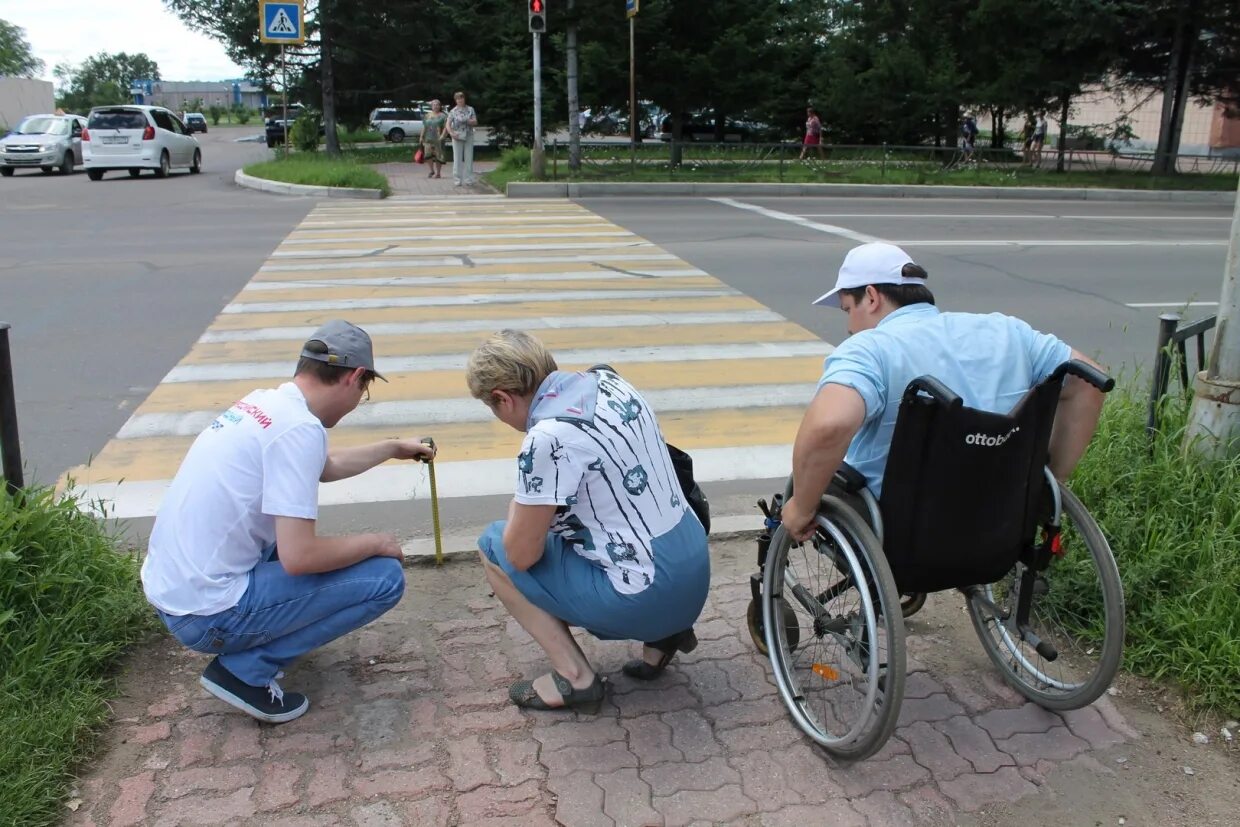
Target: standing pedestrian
[433, 130]
[813, 133]
[461, 122]
[1039, 138]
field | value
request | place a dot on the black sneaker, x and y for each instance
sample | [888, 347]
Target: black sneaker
[266, 703]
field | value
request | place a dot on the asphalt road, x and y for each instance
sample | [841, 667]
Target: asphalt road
[108, 283]
[1068, 267]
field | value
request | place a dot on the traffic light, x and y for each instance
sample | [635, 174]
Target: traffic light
[538, 16]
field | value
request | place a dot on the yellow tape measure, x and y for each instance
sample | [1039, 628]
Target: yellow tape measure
[430, 467]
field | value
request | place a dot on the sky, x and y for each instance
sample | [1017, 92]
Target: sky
[72, 30]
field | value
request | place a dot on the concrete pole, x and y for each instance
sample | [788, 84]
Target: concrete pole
[538, 163]
[574, 105]
[1214, 420]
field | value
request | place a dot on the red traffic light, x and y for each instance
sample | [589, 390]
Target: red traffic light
[536, 6]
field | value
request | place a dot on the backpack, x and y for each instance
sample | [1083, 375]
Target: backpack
[682, 464]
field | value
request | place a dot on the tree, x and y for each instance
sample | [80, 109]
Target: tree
[1190, 49]
[16, 57]
[102, 79]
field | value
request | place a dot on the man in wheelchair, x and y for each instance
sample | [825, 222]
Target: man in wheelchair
[932, 458]
[897, 334]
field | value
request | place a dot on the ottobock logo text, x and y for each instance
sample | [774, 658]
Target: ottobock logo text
[989, 441]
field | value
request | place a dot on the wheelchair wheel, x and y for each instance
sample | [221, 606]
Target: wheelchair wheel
[1070, 651]
[842, 674]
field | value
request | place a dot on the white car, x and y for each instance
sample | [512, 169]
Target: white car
[44, 141]
[397, 124]
[135, 138]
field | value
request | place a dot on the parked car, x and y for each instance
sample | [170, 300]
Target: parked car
[397, 124]
[44, 141]
[702, 129]
[196, 122]
[277, 126]
[134, 138]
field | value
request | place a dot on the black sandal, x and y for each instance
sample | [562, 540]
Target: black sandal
[524, 695]
[684, 641]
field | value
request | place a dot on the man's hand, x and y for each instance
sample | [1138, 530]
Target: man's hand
[798, 520]
[388, 547]
[413, 449]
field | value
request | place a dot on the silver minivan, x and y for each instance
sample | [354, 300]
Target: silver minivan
[44, 141]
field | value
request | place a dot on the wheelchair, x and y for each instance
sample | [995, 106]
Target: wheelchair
[967, 504]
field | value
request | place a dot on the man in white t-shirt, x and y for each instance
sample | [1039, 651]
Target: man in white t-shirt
[235, 567]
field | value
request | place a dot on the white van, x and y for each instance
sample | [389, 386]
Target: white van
[135, 138]
[397, 124]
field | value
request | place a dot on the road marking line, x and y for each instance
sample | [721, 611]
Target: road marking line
[1021, 216]
[1171, 304]
[588, 233]
[302, 333]
[460, 262]
[564, 221]
[447, 411]
[455, 250]
[444, 281]
[1043, 242]
[475, 478]
[468, 299]
[842, 232]
[457, 361]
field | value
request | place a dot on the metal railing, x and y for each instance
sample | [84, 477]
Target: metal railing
[1173, 348]
[734, 160]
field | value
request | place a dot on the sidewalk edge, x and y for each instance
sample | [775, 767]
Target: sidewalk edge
[282, 188]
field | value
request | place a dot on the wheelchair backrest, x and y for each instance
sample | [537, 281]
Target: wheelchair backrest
[964, 489]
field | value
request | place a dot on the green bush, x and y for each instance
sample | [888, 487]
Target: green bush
[1174, 525]
[304, 133]
[241, 114]
[515, 159]
[70, 603]
[216, 112]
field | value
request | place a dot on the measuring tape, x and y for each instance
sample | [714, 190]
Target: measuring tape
[430, 467]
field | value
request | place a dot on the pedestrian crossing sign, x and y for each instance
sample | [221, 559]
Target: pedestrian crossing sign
[281, 21]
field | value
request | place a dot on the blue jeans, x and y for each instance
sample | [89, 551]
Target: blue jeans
[281, 617]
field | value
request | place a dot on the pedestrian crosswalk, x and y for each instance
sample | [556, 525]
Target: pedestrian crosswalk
[728, 378]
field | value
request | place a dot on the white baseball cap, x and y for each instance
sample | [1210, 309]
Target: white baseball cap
[873, 263]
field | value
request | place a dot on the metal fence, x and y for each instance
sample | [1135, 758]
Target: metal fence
[670, 160]
[1173, 352]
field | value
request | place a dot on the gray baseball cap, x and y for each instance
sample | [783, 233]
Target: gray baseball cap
[347, 346]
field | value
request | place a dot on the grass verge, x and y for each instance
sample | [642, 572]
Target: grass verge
[314, 169]
[69, 606]
[1174, 525]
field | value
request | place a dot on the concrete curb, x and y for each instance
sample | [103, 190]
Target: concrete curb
[589, 189]
[281, 188]
[464, 547]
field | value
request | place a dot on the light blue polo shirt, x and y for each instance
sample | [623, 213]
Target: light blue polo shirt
[990, 360]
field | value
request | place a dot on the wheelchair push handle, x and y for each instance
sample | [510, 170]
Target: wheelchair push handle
[1089, 373]
[933, 387]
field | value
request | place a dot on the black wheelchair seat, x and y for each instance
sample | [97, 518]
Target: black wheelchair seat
[965, 490]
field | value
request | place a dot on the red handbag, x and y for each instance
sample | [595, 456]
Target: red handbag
[419, 156]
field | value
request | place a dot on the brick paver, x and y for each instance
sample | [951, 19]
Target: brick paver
[409, 724]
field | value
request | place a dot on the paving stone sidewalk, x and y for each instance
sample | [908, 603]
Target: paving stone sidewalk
[410, 180]
[409, 724]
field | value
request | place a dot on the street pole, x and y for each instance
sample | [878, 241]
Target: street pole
[537, 162]
[1214, 419]
[574, 103]
[284, 90]
[633, 93]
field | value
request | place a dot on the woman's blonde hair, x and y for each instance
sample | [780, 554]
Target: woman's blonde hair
[510, 360]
